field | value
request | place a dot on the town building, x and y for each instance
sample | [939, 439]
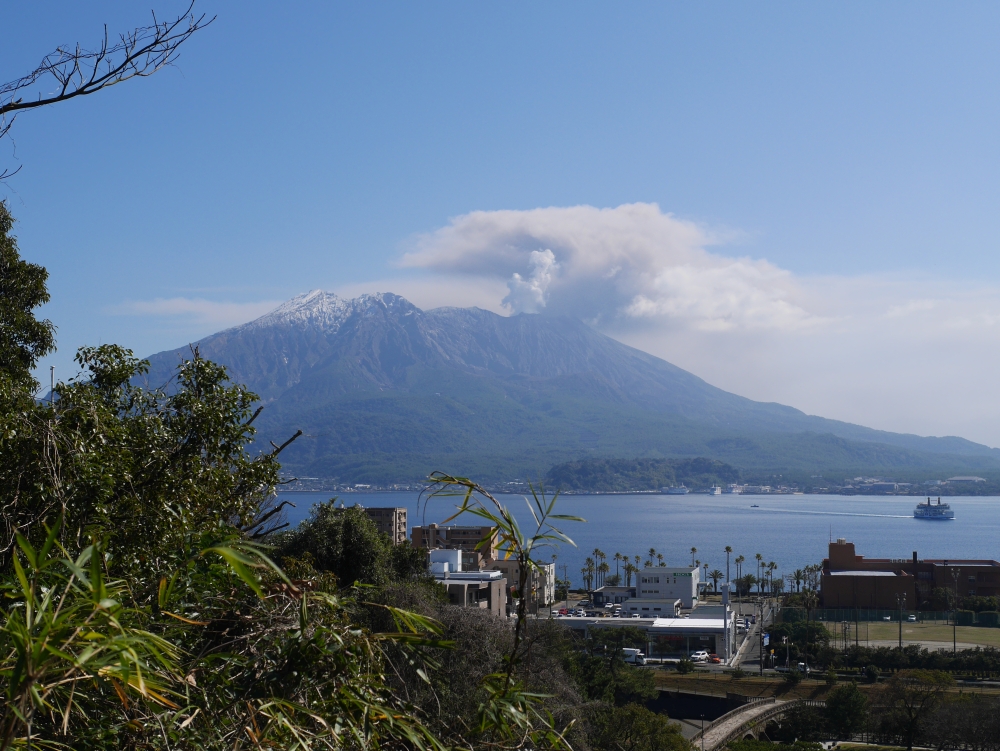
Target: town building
[541, 581]
[390, 521]
[853, 581]
[453, 537]
[672, 637]
[613, 595]
[468, 589]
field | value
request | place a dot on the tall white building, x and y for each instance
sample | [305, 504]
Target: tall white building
[659, 588]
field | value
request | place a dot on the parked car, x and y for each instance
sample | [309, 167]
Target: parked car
[563, 611]
[911, 618]
[700, 656]
[635, 615]
[886, 617]
[714, 659]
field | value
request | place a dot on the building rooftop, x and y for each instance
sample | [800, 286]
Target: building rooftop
[863, 573]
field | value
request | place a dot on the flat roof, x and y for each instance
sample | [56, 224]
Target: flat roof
[863, 573]
[469, 576]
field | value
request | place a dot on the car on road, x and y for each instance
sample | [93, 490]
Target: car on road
[635, 615]
[700, 656]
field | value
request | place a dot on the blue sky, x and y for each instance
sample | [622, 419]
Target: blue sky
[830, 168]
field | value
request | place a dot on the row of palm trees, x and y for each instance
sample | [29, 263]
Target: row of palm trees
[596, 572]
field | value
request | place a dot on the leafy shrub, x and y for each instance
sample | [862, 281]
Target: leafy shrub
[965, 617]
[871, 673]
[685, 666]
[989, 619]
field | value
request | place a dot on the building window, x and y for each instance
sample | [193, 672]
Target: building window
[972, 592]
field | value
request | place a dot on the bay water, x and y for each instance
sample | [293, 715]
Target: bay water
[791, 530]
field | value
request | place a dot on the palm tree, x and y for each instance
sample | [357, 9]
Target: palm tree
[602, 570]
[760, 562]
[618, 558]
[693, 551]
[771, 567]
[652, 554]
[715, 576]
[638, 559]
[659, 559]
[629, 569]
[739, 565]
[797, 576]
[588, 572]
[729, 550]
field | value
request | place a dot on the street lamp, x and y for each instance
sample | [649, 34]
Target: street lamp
[901, 603]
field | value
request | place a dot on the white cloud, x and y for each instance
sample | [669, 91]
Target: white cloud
[602, 264]
[197, 311]
[905, 353]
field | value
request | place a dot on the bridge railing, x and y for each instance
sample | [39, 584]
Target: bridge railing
[755, 718]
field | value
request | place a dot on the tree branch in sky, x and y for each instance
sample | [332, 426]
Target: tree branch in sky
[78, 72]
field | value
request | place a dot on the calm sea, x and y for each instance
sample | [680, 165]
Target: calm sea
[790, 530]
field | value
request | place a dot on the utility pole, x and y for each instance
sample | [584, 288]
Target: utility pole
[566, 583]
[901, 603]
[760, 632]
[52, 383]
[955, 573]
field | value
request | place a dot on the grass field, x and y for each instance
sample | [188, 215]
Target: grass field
[920, 632]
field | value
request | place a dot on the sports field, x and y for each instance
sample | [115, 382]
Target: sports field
[939, 634]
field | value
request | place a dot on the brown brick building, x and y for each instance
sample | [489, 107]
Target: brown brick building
[390, 521]
[853, 581]
[457, 538]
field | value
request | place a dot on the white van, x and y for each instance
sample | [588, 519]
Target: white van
[634, 656]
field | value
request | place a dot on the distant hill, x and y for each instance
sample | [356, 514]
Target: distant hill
[620, 475]
[385, 391]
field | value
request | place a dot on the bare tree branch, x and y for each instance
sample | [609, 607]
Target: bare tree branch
[79, 72]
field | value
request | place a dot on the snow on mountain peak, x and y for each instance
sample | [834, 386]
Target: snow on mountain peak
[315, 308]
[322, 310]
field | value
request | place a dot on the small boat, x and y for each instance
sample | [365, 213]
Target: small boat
[754, 505]
[939, 511]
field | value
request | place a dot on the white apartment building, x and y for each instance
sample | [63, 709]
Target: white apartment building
[658, 590]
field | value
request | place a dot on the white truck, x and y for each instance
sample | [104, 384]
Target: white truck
[633, 656]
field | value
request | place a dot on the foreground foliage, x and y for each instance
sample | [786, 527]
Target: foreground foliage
[144, 607]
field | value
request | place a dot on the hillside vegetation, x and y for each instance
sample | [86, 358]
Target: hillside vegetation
[623, 475]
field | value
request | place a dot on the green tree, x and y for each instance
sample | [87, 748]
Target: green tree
[846, 710]
[346, 543]
[715, 575]
[23, 338]
[634, 728]
[908, 701]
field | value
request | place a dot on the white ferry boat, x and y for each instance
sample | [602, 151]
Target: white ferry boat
[933, 511]
[734, 489]
[680, 490]
[715, 490]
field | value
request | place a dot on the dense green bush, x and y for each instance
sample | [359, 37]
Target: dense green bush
[988, 618]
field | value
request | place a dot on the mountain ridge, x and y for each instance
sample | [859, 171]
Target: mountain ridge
[375, 377]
